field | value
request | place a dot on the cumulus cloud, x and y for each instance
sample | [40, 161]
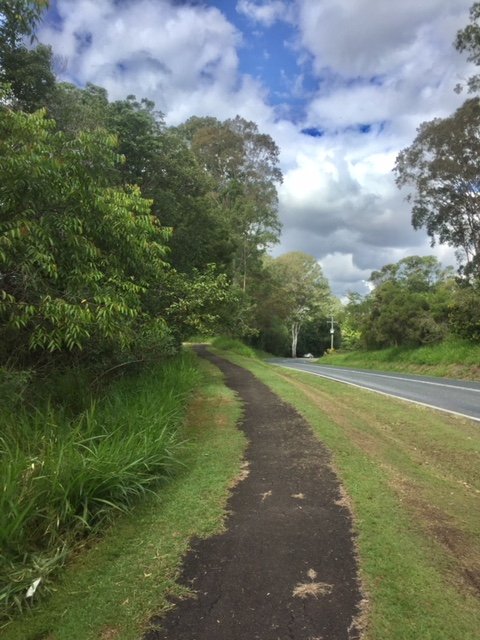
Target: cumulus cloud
[266, 13]
[182, 56]
[381, 70]
[361, 37]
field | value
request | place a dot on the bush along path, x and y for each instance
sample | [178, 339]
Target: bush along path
[285, 567]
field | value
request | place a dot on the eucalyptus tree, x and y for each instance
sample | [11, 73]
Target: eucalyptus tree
[244, 166]
[442, 169]
[301, 292]
[468, 40]
[77, 109]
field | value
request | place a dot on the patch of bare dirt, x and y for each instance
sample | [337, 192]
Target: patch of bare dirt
[110, 633]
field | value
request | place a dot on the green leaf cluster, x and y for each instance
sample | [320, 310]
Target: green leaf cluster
[76, 253]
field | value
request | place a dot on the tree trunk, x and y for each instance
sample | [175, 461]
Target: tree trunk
[244, 266]
[295, 330]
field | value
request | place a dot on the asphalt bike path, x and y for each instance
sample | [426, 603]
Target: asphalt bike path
[285, 567]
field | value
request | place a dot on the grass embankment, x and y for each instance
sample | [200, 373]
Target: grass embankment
[449, 359]
[413, 478]
[113, 585]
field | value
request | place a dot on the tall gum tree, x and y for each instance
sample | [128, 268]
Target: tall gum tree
[244, 165]
[442, 167]
[468, 41]
[302, 291]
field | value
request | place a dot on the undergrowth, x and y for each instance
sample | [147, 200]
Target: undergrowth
[112, 586]
[63, 475]
[237, 346]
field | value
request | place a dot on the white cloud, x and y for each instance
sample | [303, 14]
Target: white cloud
[183, 57]
[361, 37]
[341, 268]
[266, 12]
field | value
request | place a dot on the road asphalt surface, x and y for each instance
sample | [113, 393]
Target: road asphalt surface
[285, 566]
[460, 397]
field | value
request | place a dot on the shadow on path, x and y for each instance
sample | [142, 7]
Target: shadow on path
[285, 567]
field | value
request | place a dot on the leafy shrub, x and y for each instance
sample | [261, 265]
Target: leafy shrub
[464, 318]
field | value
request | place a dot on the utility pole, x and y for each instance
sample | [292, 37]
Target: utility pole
[332, 332]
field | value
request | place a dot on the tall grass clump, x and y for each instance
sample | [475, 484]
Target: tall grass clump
[62, 477]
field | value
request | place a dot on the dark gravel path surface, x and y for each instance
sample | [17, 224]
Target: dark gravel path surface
[285, 567]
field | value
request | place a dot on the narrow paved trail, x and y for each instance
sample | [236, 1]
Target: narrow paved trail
[285, 567]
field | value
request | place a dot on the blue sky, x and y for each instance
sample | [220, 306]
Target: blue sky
[341, 85]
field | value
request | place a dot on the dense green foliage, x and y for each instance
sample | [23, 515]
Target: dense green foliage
[118, 233]
[413, 302]
[76, 253]
[26, 69]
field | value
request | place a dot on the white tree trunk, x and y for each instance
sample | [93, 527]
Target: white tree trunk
[295, 330]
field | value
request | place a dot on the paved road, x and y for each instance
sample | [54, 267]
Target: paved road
[455, 396]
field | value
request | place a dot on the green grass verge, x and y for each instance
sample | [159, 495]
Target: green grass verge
[234, 346]
[111, 589]
[412, 476]
[452, 358]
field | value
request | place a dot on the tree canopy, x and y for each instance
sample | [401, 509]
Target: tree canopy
[468, 40]
[115, 229]
[442, 165]
[297, 292]
[76, 253]
[409, 305]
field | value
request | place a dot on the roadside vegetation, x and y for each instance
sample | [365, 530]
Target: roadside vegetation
[115, 582]
[411, 477]
[236, 346]
[66, 475]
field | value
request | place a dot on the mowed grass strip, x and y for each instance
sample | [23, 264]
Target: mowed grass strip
[413, 479]
[111, 589]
